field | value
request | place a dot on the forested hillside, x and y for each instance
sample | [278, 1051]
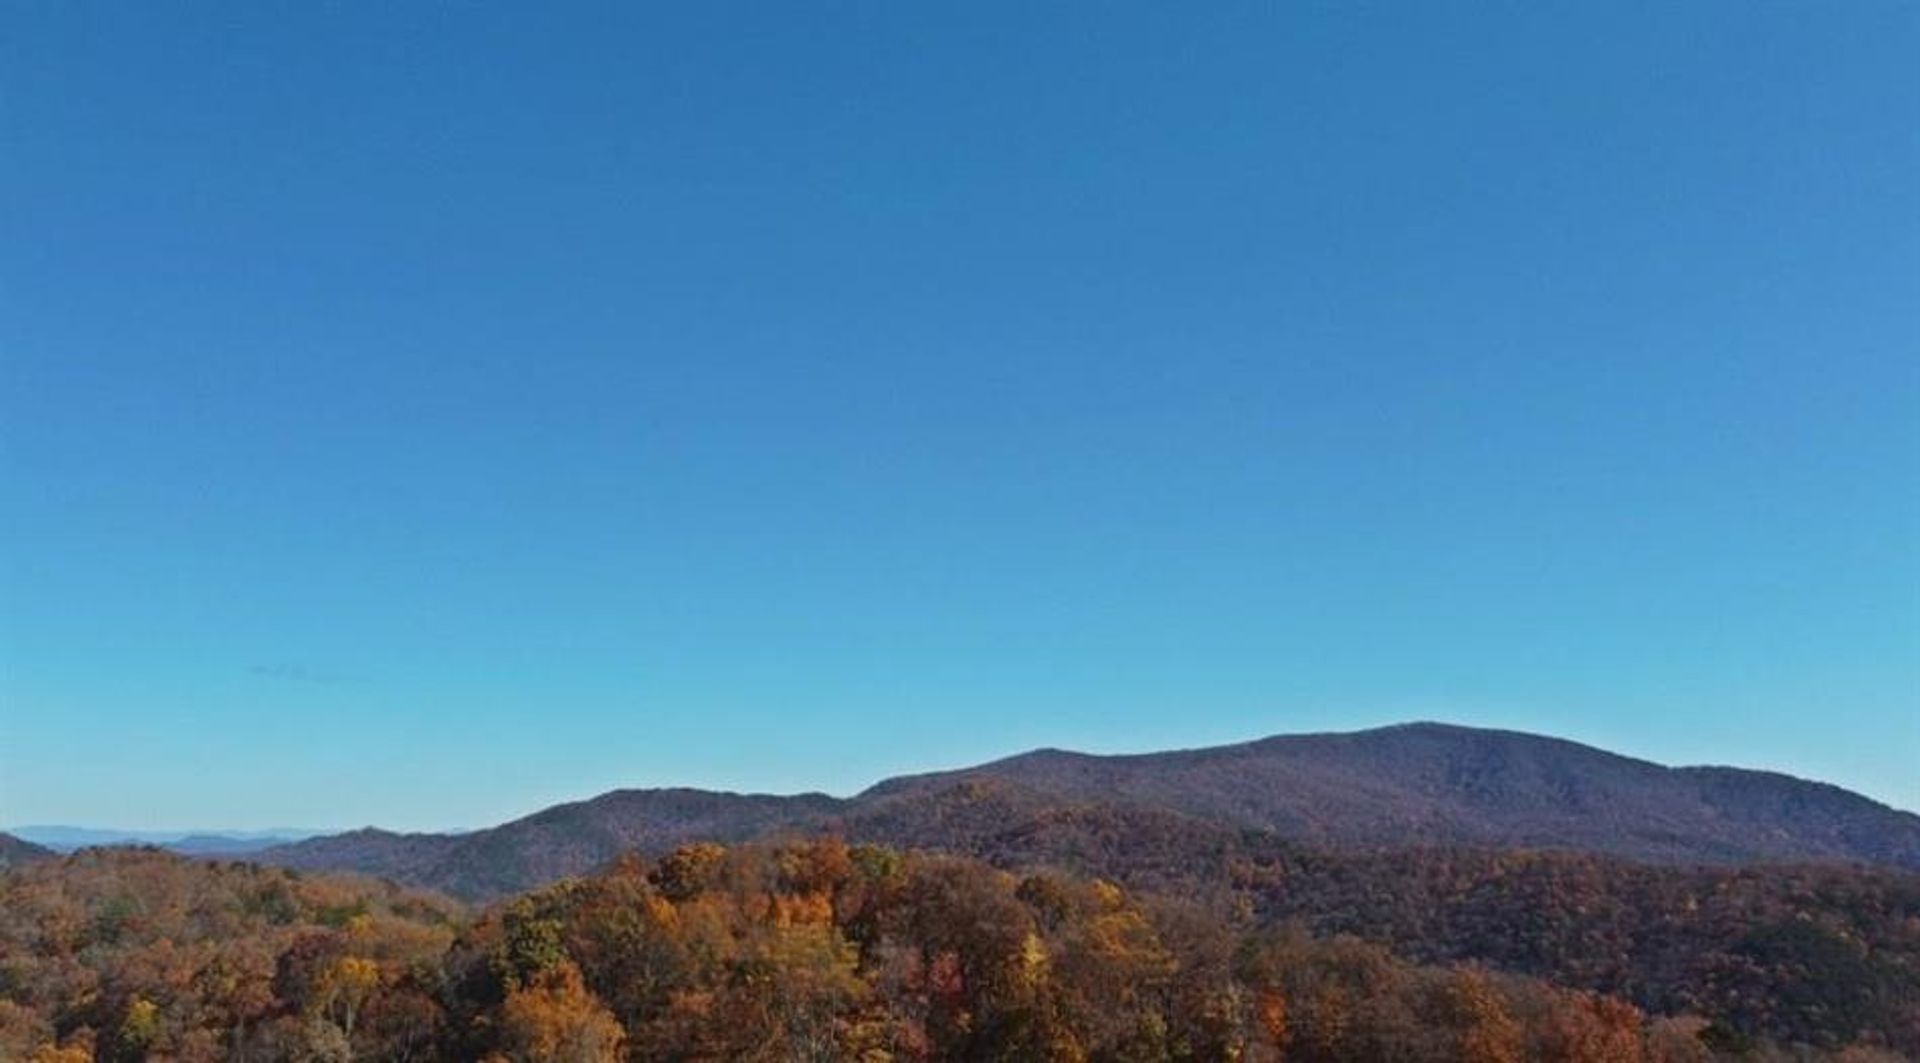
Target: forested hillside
[137, 954]
[802, 951]
[20, 851]
[1175, 906]
[1420, 784]
[1437, 784]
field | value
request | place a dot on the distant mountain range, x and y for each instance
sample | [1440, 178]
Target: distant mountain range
[193, 842]
[1414, 785]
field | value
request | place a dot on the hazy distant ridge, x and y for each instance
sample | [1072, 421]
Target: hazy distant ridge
[206, 842]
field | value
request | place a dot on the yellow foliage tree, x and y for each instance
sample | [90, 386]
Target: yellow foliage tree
[1489, 1033]
[343, 988]
[556, 1020]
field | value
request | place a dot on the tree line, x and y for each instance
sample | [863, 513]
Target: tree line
[807, 950]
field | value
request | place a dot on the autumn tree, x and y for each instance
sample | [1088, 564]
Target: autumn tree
[1487, 1030]
[552, 1018]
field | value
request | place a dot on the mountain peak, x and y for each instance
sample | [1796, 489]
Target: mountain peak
[1423, 783]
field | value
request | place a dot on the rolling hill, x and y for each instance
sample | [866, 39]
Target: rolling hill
[568, 839]
[15, 852]
[1411, 785]
[1435, 784]
[66, 839]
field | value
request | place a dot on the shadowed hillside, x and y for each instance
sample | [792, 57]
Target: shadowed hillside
[569, 839]
[1434, 784]
[1419, 784]
[15, 851]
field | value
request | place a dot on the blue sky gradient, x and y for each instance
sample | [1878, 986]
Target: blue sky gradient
[419, 414]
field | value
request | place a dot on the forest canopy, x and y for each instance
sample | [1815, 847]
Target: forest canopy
[811, 950]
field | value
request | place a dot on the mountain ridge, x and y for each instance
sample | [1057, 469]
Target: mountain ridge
[62, 838]
[16, 851]
[1408, 785]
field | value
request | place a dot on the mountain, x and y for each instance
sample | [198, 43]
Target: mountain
[564, 840]
[1436, 784]
[16, 852]
[1423, 785]
[65, 839]
[222, 844]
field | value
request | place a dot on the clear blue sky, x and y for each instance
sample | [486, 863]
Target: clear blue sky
[417, 414]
